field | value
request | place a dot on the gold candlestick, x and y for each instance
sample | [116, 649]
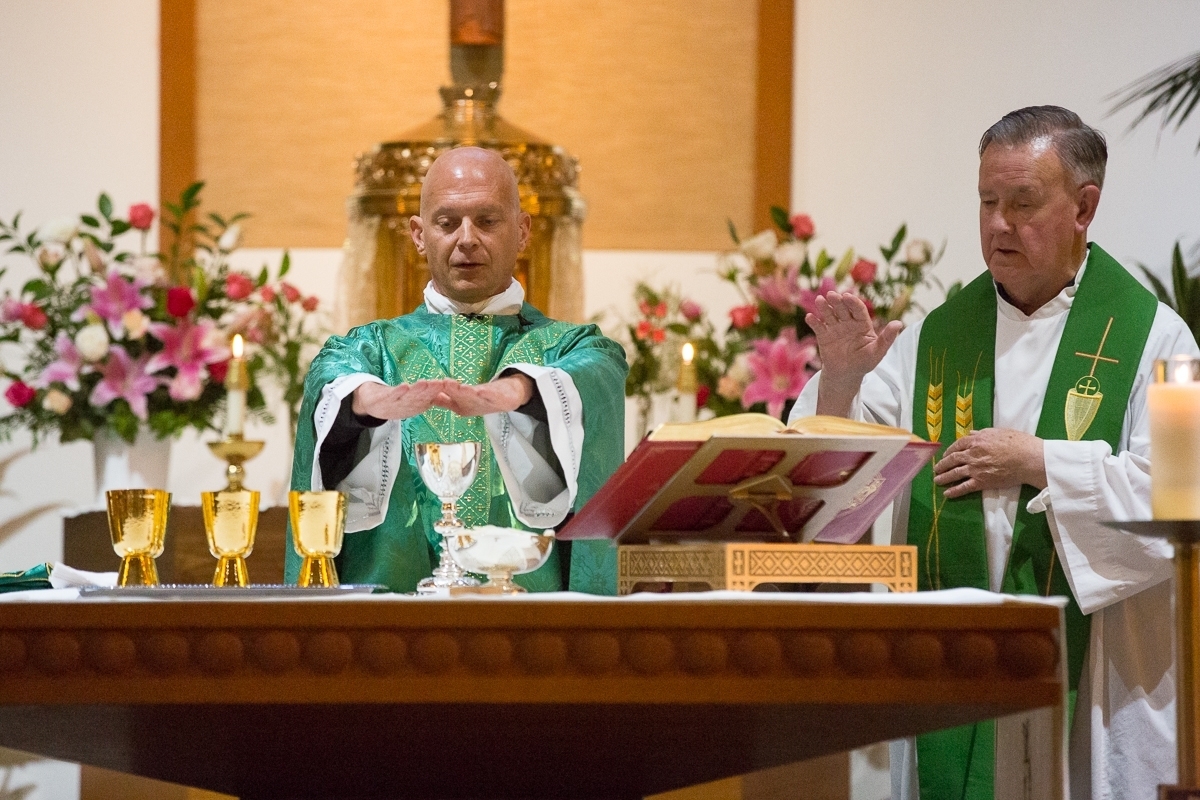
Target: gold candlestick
[235, 451]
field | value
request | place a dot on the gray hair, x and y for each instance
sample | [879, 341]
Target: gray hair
[1079, 146]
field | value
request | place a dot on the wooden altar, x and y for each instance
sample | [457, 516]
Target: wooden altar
[548, 696]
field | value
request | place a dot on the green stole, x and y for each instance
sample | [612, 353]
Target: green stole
[1085, 398]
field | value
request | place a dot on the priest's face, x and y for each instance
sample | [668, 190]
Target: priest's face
[1033, 220]
[471, 228]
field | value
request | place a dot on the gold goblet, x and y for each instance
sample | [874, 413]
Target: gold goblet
[230, 520]
[448, 469]
[318, 524]
[137, 521]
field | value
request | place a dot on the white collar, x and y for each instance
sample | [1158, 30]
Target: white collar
[1057, 305]
[506, 303]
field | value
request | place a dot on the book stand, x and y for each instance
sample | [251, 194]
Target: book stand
[701, 528]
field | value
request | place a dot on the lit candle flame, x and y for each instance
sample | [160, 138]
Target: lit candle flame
[237, 345]
[689, 352]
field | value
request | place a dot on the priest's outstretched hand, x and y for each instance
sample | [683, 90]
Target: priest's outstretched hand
[850, 347]
[410, 399]
[992, 458]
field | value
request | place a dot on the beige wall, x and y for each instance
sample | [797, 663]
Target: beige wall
[657, 100]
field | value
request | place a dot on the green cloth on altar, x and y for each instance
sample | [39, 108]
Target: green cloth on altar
[403, 549]
[34, 578]
[1086, 398]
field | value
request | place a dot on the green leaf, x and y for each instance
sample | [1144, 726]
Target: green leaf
[38, 288]
[780, 217]
[105, 206]
[1160, 290]
[823, 262]
[285, 264]
[1179, 278]
[897, 240]
[188, 200]
[262, 279]
[732, 231]
[844, 265]
[90, 221]
[954, 289]
[119, 226]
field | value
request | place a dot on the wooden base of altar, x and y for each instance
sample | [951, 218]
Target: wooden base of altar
[413, 699]
[742, 566]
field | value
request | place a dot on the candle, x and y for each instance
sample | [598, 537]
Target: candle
[685, 386]
[237, 381]
[1174, 402]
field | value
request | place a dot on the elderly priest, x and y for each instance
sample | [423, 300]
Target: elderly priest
[473, 363]
[1033, 377]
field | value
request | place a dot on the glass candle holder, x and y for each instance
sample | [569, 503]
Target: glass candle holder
[1174, 402]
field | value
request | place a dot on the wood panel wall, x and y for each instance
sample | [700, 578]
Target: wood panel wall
[680, 112]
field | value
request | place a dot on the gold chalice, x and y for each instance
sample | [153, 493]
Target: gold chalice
[448, 469]
[500, 553]
[137, 521]
[230, 520]
[318, 524]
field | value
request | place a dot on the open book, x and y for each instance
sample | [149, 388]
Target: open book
[749, 477]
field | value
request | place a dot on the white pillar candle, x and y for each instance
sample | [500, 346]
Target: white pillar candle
[1174, 401]
[236, 383]
[685, 386]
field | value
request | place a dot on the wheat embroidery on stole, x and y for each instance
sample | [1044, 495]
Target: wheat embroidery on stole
[933, 425]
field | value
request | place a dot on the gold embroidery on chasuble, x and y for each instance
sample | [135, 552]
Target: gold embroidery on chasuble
[1084, 399]
[934, 411]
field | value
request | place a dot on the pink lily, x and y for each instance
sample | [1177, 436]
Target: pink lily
[808, 297]
[111, 301]
[780, 290]
[64, 369]
[124, 379]
[780, 369]
[188, 347]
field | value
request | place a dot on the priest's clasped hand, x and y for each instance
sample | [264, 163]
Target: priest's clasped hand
[410, 399]
[992, 458]
[850, 347]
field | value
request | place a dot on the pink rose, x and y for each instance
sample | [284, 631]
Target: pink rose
[33, 317]
[290, 293]
[238, 286]
[691, 310]
[863, 271]
[643, 330]
[11, 310]
[310, 303]
[19, 394]
[660, 310]
[180, 301]
[743, 317]
[141, 216]
[267, 294]
[803, 227]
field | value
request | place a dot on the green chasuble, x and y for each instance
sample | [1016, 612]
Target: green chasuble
[1085, 399]
[472, 349]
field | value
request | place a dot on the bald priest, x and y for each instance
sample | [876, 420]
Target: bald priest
[473, 363]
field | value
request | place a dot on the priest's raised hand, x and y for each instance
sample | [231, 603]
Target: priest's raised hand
[850, 345]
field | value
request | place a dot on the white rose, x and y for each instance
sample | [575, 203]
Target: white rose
[760, 245]
[92, 342]
[149, 269]
[61, 230]
[739, 370]
[57, 402]
[230, 239]
[791, 254]
[918, 251]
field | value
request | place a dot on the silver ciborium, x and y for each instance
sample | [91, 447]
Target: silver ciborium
[500, 553]
[448, 468]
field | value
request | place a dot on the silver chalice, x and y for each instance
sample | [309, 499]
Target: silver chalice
[448, 469]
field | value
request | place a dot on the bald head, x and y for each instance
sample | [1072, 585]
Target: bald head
[470, 166]
[471, 228]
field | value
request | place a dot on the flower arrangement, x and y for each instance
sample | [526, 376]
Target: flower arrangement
[768, 352]
[107, 338]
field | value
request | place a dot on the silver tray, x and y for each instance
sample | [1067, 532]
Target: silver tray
[187, 591]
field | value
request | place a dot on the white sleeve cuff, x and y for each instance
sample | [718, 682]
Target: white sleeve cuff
[541, 496]
[369, 484]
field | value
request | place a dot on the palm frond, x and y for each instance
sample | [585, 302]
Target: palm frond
[1173, 91]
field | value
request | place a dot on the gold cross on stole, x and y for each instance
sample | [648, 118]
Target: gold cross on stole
[1083, 401]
